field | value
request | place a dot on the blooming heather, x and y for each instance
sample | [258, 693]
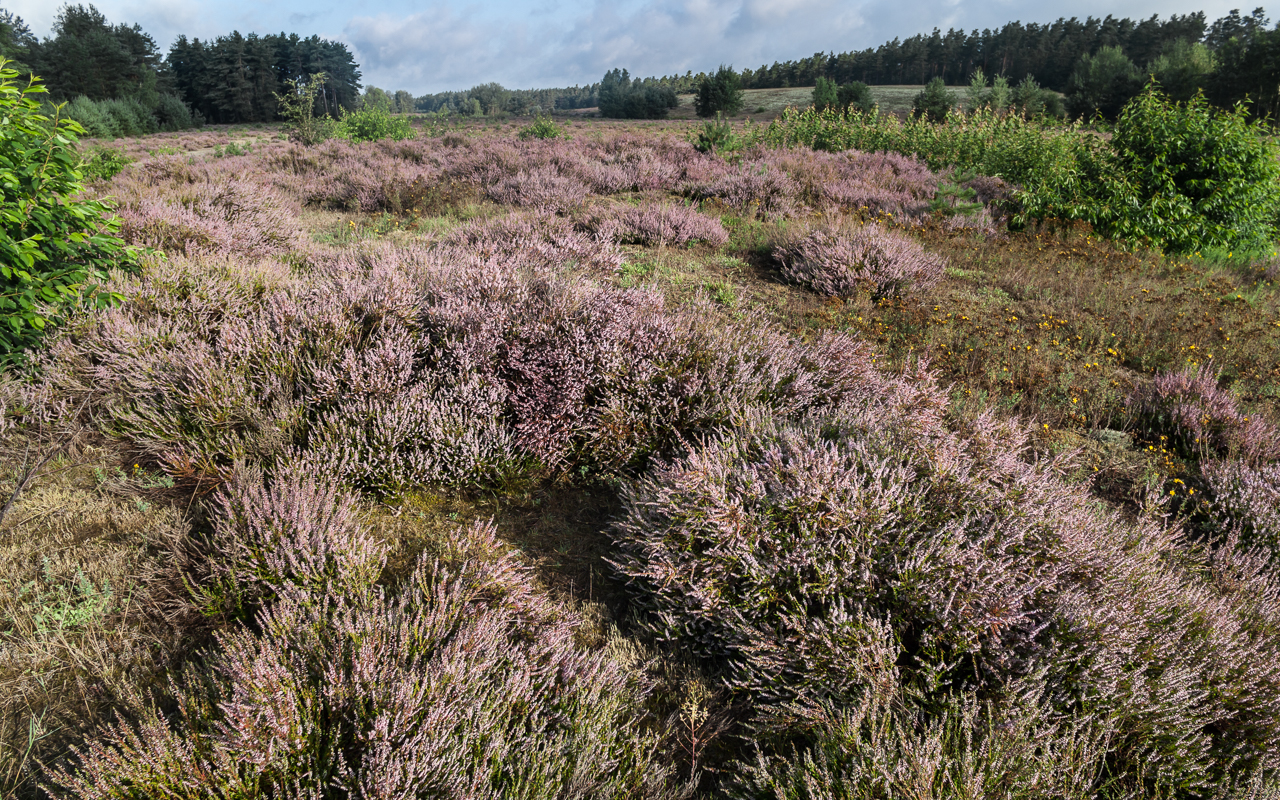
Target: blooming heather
[842, 262]
[1204, 419]
[780, 550]
[662, 224]
[463, 683]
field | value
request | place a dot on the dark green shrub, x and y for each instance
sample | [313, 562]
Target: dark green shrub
[719, 93]
[856, 96]
[934, 102]
[54, 246]
[1102, 84]
[173, 115]
[825, 94]
[621, 98]
[103, 163]
[717, 136]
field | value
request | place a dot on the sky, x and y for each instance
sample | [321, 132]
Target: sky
[439, 45]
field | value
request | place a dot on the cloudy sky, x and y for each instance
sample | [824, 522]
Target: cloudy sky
[453, 44]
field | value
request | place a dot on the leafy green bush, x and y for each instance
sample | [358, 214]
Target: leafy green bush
[297, 106]
[1194, 176]
[934, 102]
[53, 244]
[1181, 176]
[372, 124]
[719, 93]
[103, 163]
[542, 128]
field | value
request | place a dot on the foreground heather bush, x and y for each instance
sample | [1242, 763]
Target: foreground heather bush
[879, 746]
[751, 188]
[534, 241]
[232, 218]
[1246, 504]
[663, 224]
[408, 367]
[510, 374]
[842, 262]
[464, 683]
[1201, 419]
[778, 551]
[293, 536]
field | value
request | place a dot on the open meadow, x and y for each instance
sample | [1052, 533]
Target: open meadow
[479, 464]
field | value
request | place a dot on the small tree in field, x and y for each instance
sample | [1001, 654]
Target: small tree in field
[934, 102]
[720, 93]
[856, 96]
[825, 95]
[54, 244]
[297, 106]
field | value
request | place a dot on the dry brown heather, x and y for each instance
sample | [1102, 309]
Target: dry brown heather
[119, 565]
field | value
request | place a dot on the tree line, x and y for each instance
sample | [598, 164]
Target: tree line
[1099, 64]
[117, 81]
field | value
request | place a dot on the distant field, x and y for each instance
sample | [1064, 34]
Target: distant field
[769, 103]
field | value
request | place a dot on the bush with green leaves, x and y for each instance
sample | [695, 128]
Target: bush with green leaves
[542, 128]
[719, 93]
[1181, 176]
[934, 102]
[372, 124]
[1194, 177]
[297, 106]
[103, 163]
[55, 245]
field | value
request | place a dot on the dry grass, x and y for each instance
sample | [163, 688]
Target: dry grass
[87, 554]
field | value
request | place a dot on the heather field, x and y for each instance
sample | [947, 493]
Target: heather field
[478, 464]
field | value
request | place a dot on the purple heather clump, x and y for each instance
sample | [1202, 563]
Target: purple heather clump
[232, 218]
[1202, 417]
[843, 261]
[463, 682]
[662, 224]
[784, 552]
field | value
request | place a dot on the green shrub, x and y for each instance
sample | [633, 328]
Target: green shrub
[719, 93]
[173, 115]
[297, 106]
[1181, 176]
[856, 96]
[826, 94]
[717, 136]
[131, 116]
[91, 116]
[542, 128]
[53, 245]
[934, 102]
[103, 163]
[1194, 176]
[372, 124]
